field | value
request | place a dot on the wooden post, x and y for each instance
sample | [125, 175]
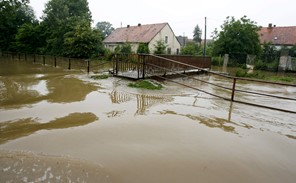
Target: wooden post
[233, 89]
[69, 66]
[87, 66]
[19, 56]
[55, 61]
[25, 56]
[34, 58]
[116, 65]
[144, 67]
[43, 59]
[138, 66]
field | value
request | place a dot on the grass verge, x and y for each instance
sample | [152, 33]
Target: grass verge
[146, 84]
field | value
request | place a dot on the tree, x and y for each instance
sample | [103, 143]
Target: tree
[30, 38]
[143, 48]
[13, 14]
[160, 47]
[237, 36]
[61, 17]
[105, 27]
[190, 48]
[126, 48]
[82, 41]
[197, 34]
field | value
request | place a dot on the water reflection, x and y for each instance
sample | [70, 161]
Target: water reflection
[56, 88]
[144, 101]
[24, 127]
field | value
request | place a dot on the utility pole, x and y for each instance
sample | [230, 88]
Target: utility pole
[205, 40]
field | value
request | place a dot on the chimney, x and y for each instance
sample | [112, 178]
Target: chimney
[270, 25]
[128, 26]
[139, 24]
[274, 25]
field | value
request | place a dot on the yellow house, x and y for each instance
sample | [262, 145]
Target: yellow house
[150, 34]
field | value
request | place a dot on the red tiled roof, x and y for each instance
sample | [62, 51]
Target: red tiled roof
[135, 34]
[278, 35]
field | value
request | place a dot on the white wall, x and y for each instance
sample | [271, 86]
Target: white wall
[173, 43]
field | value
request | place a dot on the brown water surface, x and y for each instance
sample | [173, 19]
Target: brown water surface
[104, 131]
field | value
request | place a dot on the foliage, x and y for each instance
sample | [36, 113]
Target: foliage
[286, 79]
[237, 36]
[143, 48]
[197, 34]
[82, 41]
[146, 84]
[30, 38]
[160, 47]
[125, 48]
[13, 14]
[217, 61]
[64, 20]
[105, 27]
[269, 53]
[272, 66]
[103, 76]
[190, 48]
[244, 73]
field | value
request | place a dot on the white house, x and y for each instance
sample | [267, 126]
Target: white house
[150, 34]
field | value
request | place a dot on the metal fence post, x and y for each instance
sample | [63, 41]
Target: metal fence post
[233, 89]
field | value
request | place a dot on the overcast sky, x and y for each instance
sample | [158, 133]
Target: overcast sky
[184, 15]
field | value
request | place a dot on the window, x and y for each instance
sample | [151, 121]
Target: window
[166, 39]
[169, 51]
[177, 51]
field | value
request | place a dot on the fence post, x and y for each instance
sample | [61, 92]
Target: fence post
[69, 65]
[43, 60]
[19, 56]
[55, 61]
[25, 56]
[34, 58]
[144, 66]
[116, 65]
[233, 89]
[87, 66]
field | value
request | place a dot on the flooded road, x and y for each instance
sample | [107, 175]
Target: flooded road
[64, 121]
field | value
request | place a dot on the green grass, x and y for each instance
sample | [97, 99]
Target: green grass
[243, 73]
[286, 79]
[103, 76]
[146, 84]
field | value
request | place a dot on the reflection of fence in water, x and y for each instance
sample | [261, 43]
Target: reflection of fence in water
[144, 101]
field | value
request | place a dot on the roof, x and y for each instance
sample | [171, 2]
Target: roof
[278, 35]
[135, 34]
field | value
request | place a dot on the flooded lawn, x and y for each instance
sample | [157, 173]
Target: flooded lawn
[62, 126]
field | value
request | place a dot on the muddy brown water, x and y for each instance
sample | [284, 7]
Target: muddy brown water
[59, 126]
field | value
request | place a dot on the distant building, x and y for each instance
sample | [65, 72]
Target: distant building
[150, 34]
[278, 36]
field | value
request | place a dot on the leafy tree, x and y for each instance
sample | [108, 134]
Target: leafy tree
[82, 41]
[237, 36]
[143, 48]
[160, 47]
[30, 38]
[105, 27]
[61, 17]
[197, 34]
[269, 53]
[13, 14]
[190, 48]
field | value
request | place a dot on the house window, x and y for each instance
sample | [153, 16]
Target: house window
[169, 51]
[166, 40]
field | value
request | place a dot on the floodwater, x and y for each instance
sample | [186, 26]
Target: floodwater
[62, 126]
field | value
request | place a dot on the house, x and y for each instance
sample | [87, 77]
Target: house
[150, 34]
[278, 36]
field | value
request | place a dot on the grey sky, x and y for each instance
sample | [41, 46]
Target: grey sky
[184, 15]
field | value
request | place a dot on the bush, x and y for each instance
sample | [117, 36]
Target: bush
[146, 84]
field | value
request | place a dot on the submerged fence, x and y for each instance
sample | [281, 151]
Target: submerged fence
[56, 61]
[235, 89]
